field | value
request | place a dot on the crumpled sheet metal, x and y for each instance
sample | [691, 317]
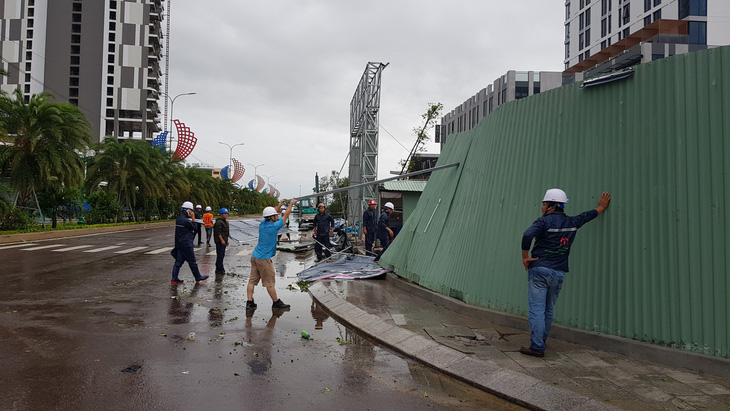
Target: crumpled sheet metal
[347, 267]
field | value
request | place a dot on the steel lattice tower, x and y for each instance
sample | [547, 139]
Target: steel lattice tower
[364, 113]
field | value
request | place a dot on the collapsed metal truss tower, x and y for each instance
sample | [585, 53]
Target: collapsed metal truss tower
[364, 113]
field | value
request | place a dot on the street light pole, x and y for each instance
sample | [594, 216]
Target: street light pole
[255, 167]
[230, 156]
[172, 106]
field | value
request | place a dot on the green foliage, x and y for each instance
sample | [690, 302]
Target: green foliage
[337, 203]
[64, 203]
[429, 117]
[104, 208]
[12, 218]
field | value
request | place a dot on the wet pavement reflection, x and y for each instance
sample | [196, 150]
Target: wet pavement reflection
[98, 330]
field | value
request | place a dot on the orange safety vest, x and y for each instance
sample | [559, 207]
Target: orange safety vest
[208, 219]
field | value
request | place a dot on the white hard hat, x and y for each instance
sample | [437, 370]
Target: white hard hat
[555, 195]
[187, 205]
[389, 205]
[198, 206]
[269, 211]
[208, 208]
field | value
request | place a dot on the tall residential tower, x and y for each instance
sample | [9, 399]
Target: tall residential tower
[102, 56]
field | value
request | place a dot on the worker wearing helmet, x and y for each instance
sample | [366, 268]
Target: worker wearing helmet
[208, 222]
[385, 234]
[199, 223]
[546, 266]
[324, 226]
[370, 225]
[262, 268]
[220, 237]
[184, 251]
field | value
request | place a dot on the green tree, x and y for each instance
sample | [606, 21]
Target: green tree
[337, 201]
[41, 140]
[429, 121]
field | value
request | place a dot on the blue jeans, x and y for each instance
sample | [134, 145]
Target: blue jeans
[185, 254]
[220, 254]
[543, 287]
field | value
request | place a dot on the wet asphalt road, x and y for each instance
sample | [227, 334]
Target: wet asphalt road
[93, 323]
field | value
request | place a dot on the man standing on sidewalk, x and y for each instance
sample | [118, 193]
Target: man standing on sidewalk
[262, 268]
[554, 234]
[208, 222]
[184, 251]
[221, 233]
[370, 225]
[199, 223]
[324, 226]
[385, 234]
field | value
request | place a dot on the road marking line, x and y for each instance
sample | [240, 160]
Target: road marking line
[244, 252]
[16, 245]
[42, 247]
[129, 250]
[70, 248]
[96, 250]
[160, 251]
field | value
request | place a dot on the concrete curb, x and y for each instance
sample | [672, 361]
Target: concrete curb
[49, 235]
[513, 386]
[638, 350]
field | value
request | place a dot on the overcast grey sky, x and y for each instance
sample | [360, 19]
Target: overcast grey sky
[279, 75]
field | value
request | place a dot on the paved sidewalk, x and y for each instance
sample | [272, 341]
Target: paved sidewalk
[486, 355]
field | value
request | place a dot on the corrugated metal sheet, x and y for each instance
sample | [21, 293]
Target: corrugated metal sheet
[654, 267]
[404, 185]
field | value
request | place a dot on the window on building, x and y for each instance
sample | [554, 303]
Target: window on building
[74, 101]
[73, 92]
[112, 15]
[73, 81]
[110, 59]
[30, 23]
[75, 49]
[697, 32]
[74, 71]
[27, 66]
[627, 13]
[658, 15]
[626, 32]
[567, 50]
[112, 48]
[582, 3]
[647, 20]
[536, 87]
[522, 89]
[75, 39]
[647, 5]
[581, 22]
[588, 37]
[112, 26]
[76, 7]
[580, 57]
[110, 91]
[113, 5]
[588, 17]
[567, 32]
[692, 8]
[603, 44]
[31, 12]
[580, 41]
[567, 11]
[27, 88]
[75, 28]
[603, 28]
[31, 3]
[29, 55]
[110, 69]
[657, 57]
[586, 55]
[110, 102]
[112, 37]
[28, 44]
[76, 18]
[491, 104]
[110, 80]
[29, 34]
[604, 7]
[609, 24]
[27, 77]
[657, 2]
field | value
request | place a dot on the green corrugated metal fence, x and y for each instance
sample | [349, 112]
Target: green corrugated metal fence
[654, 267]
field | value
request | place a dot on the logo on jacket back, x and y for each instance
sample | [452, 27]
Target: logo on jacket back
[564, 241]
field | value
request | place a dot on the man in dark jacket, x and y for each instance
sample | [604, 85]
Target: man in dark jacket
[554, 234]
[385, 234]
[370, 225]
[324, 226]
[184, 235]
[220, 236]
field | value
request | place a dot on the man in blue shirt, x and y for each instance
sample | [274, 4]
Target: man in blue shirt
[385, 234]
[185, 227]
[262, 268]
[324, 226]
[370, 225]
[554, 234]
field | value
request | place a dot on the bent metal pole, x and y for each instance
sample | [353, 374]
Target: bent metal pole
[415, 173]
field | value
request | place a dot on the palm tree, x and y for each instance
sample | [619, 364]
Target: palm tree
[41, 140]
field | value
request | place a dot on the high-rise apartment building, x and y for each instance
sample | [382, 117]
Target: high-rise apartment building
[612, 34]
[101, 55]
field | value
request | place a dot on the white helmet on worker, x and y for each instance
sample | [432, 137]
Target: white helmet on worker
[269, 211]
[187, 205]
[208, 208]
[389, 205]
[198, 206]
[555, 195]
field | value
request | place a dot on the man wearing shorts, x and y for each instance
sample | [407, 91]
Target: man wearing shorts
[262, 268]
